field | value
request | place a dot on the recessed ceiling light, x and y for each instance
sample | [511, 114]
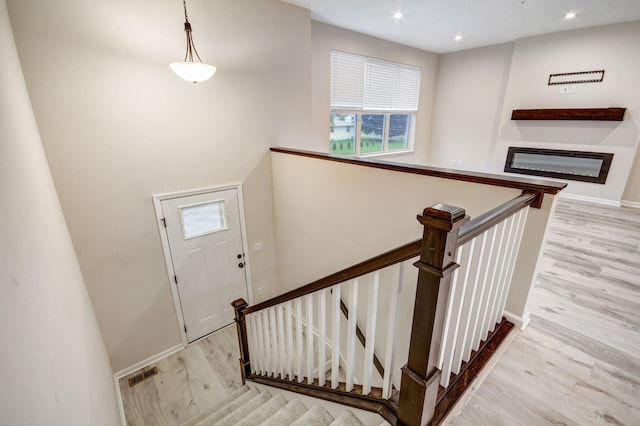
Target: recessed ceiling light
[457, 37]
[570, 15]
[397, 15]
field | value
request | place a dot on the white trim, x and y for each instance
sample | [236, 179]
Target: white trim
[157, 203]
[632, 204]
[154, 358]
[137, 366]
[123, 418]
[604, 201]
[520, 322]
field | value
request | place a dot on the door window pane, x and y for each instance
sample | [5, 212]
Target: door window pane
[202, 219]
[343, 134]
[398, 132]
[372, 133]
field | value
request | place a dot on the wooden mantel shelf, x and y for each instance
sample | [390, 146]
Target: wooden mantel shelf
[596, 114]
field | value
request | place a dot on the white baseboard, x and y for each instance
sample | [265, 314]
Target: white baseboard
[137, 366]
[155, 358]
[595, 200]
[123, 418]
[518, 321]
[633, 204]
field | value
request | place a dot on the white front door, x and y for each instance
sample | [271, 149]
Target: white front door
[205, 241]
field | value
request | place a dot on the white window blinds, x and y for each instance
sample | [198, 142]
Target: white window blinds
[358, 82]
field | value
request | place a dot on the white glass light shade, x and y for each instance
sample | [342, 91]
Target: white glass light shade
[193, 71]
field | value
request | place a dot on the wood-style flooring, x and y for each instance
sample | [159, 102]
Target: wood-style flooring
[188, 382]
[578, 362]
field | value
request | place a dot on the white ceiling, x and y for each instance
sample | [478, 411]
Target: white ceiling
[431, 24]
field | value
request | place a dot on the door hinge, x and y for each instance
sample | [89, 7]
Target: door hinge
[185, 328]
[164, 222]
[175, 278]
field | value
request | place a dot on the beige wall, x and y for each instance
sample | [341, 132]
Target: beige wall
[327, 37]
[54, 367]
[470, 93]
[118, 126]
[611, 47]
[341, 214]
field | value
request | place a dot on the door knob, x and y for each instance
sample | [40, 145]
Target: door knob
[239, 256]
[240, 265]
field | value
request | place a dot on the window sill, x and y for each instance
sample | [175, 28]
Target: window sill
[386, 154]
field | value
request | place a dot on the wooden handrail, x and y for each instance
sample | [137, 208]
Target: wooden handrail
[544, 186]
[485, 221]
[383, 260]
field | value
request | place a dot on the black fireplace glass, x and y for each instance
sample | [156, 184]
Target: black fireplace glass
[572, 165]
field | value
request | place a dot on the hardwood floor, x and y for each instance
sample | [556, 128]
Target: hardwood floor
[578, 362]
[188, 382]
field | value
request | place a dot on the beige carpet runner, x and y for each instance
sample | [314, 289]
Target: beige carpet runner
[250, 407]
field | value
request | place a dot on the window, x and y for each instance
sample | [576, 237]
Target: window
[373, 105]
[202, 219]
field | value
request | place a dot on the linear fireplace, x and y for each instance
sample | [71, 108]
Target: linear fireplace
[572, 165]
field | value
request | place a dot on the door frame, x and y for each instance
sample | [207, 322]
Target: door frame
[157, 203]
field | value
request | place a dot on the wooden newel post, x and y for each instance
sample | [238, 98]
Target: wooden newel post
[420, 376]
[239, 306]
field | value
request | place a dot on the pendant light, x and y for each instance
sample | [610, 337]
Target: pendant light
[189, 69]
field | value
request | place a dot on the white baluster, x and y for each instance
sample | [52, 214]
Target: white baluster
[267, 343]
[463, 328]
[451, 345]
[322, 336]
[299, 339]
[290, 350]
[257, 318]
[392, 331]
[482, 298]
[495, 267]
[309, 318]
[372, 314]
[281, 336]
[502, 264]
[335, 336]
[253, 350]
[490, 287]
[351, 334]
[522, 221]
[275, 356]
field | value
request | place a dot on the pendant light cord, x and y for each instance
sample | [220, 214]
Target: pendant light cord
[191, 48]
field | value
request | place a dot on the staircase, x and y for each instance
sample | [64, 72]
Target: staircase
[250, 407]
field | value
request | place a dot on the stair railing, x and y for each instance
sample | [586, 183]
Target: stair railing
[464, 272]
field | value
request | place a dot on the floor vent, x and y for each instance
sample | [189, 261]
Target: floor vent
[138, 378]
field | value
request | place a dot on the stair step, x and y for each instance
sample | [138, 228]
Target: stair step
[239, 413]
[316, 416]
[347, 419]
[287, 414]
[234, 395]
[228, 408]
[263, 412]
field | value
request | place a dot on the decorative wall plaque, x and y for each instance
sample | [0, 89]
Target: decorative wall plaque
[576, 77]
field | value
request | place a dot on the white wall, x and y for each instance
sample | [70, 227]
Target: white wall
[118, 126]
[470, 92]
[54, 367]
[611, 47]
[325, 38]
